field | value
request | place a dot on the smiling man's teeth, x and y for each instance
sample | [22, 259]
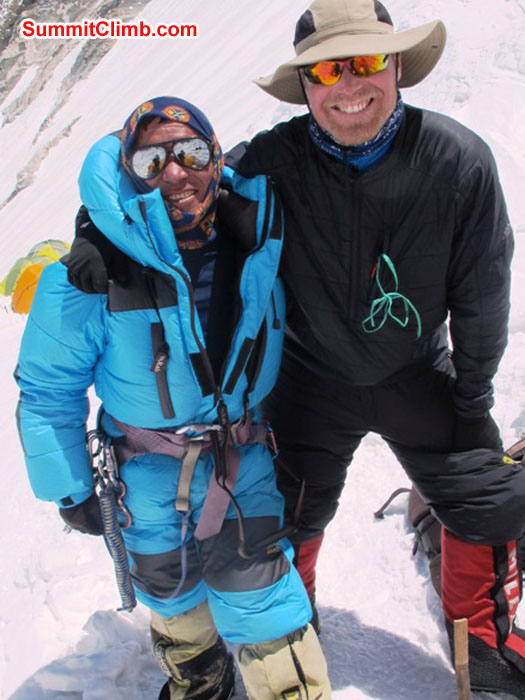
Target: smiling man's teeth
[181, 196]
[352, 109]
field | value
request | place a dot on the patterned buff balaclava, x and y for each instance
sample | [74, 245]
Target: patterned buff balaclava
[191, 230]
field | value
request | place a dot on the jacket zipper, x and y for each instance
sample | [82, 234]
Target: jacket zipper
[218, 397]
[276, 322]
[353, 247]
[202, 350]
[161, 352]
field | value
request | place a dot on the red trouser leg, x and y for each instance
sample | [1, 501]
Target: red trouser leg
[483, 584]
[305, 559]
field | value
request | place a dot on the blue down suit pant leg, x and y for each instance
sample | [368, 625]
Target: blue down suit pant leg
[201, 592]
[251, 600]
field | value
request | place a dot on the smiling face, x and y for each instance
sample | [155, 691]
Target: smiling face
[355, 109]
[185, 188]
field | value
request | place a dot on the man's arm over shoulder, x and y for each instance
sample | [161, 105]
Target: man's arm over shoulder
[268, 150]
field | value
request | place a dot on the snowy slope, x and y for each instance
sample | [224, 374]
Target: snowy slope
[60, 637]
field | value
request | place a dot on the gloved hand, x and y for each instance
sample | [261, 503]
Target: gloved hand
[474, 433]
[86, 269]
[93, 259]
[84, 517]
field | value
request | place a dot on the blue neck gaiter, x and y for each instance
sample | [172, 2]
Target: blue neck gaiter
[365, 154]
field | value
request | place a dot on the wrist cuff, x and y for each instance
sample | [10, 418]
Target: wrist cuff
[74, 499]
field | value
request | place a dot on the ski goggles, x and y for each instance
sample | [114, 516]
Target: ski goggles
[330, 72]
[149, 161]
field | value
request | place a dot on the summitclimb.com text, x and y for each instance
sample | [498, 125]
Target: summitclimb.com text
[104, 29]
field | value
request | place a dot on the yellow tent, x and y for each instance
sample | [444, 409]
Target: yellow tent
[25, 287]
[22, 279]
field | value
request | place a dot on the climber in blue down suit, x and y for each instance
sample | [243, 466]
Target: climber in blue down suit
[182, 343]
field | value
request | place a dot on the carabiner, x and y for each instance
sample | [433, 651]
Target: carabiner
[128, 518]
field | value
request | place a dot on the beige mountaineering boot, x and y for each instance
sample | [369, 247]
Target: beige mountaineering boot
[289, 668]
[190, 651]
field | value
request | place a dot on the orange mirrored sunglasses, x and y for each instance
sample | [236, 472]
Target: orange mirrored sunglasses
[329, 72]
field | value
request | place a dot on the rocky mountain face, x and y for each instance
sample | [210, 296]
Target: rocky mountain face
[17, 54]
[26, 65]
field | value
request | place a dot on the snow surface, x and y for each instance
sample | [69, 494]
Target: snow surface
[60, 637]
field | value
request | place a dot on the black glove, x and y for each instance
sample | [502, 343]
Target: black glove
[93, 258]
[84, 517]
[473, 433]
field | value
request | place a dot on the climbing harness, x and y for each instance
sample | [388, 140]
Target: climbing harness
[222, 439]
[111, 491]
[187, 443]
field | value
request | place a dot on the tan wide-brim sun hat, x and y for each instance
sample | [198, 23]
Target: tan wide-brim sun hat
[343, 28]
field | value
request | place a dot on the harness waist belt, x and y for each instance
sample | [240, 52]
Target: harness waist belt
[188, 448]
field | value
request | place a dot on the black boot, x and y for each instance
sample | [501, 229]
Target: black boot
[489, 669]
[211, 675]
[165, 693]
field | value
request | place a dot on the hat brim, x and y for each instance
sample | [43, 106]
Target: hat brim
[420, 48]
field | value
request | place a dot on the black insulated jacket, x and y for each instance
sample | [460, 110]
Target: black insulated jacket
[427, 224]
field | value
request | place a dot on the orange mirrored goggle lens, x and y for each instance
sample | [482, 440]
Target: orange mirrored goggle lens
[329, 72]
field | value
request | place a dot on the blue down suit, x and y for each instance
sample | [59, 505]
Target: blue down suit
[73, 340]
